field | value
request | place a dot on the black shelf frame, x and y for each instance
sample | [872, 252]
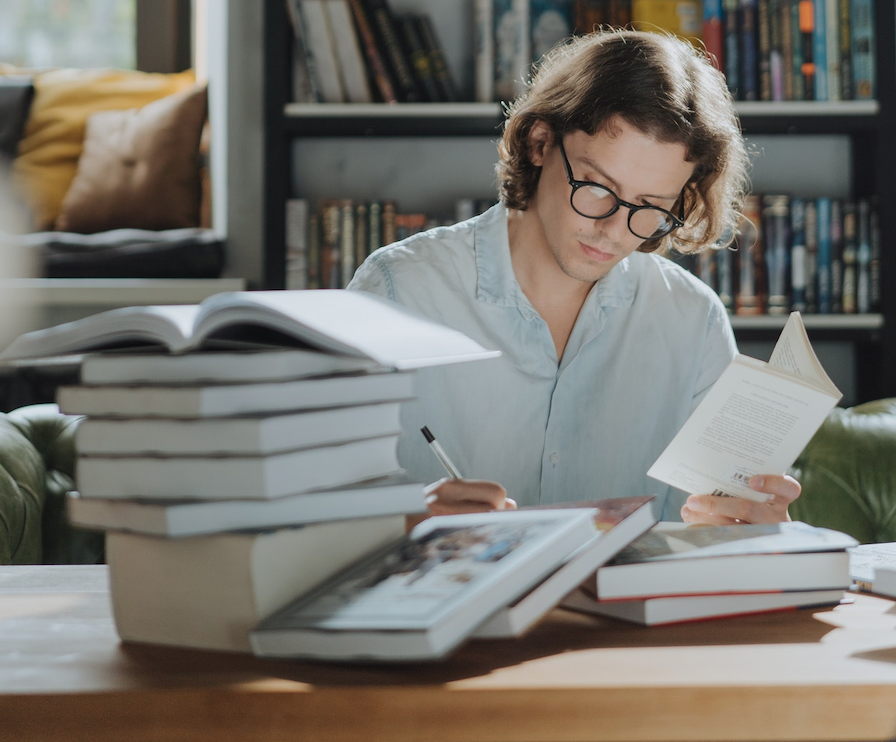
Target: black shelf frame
[871, 126]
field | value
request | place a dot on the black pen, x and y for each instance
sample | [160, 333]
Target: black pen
[440, 452]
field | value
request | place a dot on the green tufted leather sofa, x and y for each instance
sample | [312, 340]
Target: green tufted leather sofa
[37, 463]
[848, 473]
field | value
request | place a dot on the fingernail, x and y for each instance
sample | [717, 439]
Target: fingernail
[757, 481]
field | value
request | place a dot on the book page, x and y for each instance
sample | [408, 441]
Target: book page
[793, 353]
[755, 419]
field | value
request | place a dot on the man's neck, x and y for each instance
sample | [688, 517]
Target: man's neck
[557, 297]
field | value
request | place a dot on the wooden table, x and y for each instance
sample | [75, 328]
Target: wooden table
[828, 674]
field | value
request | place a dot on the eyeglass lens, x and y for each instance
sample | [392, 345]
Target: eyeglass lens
[596, 202]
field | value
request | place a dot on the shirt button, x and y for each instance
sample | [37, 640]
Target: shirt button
[554, 458]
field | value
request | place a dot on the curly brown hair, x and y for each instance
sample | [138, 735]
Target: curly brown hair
[662, 86]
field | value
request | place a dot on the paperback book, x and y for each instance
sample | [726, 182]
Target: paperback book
[236, 436]
[237, 477]
[425, 593]
[756, 419]
[390, 495]
[617, 522]
[680, 559]
[679, 608]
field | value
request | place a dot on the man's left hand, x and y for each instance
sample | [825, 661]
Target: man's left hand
[781, 490]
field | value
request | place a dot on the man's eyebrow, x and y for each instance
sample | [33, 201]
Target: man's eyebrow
[610, 181]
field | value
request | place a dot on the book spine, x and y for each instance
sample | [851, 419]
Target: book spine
[776, 231]
[732, 47]
[836, 232]
[844, 34]
[713, 32]
[513, 55]
[749, 51]
[807, 47]
[418, 55]
[314, 240]
[820, 50]
[748, 300]
[550, 22]
[384, 24]
[374, 226]
[297, 243]
[811, 208]
[796, 43]
[305, 86]
[619, 14]
[362, 235]
[785, 22]
[850, 254]
[823, 274]
[798, 272]
[764, 48]
[484, 56]
[725, 277]
[776, 49]
[331, 244]
[832, 44]
[862, 45]
[589, 15]
[387, 222]
[321, 47]
[378, 69]
[346, 242]
[864, 300]
[440, 69]
[352, 69]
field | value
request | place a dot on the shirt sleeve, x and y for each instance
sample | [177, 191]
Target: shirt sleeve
[371, 276]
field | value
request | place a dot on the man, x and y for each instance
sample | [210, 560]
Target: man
[623, 144]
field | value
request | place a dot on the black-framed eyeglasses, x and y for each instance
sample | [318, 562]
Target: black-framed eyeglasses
[596, 201]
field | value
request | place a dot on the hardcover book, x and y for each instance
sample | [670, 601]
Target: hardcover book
[207, 592]
[237, 477]
[351, 323]
[680, 559]
[350, 58]
[618, 522]
[245, 435]
[679, 608]
[391, 495]
[424, 594]
[756, 419]
[226, 400]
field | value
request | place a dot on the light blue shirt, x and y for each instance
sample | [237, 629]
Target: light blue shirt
[648, 343]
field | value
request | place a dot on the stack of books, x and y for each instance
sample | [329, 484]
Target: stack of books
[250, 459]
[677, 572]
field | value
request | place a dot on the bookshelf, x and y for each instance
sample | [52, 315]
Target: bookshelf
[861, 130]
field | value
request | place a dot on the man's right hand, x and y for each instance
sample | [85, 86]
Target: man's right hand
[451, 496]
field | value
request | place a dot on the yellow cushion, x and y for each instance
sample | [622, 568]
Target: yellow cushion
[54, 135]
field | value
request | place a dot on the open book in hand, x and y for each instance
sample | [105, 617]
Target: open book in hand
[350, 323]
[756, 419]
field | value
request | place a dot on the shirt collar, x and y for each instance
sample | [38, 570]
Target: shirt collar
[497, 284]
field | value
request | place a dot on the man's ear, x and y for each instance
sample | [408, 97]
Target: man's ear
[539, 139]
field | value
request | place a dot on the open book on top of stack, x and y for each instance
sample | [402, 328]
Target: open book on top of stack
[678, 572]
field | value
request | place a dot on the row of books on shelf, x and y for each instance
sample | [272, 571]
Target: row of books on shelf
[361, 51]
[245, 473]
[328, 239]
[793, 50]
[773, 50]
[818, 255]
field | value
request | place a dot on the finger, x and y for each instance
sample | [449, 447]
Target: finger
[490, 494]
[696, 517]
[781, 488]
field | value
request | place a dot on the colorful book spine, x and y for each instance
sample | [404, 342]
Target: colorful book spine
[864, 81]
[832, 47]
[850, 290]
[836, 260]
[807, 47]
[749, 50]
[550, 22]
[844, 35]
[811, 207]
[823, 264]
[776, 240]
[764, 48]
[798, 259]
[513, 50]
[748, 300]
[820, 49]
[864, 297]
[796, 61]
[484, 54]
[731, 66]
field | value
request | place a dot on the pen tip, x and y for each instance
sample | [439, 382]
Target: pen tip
[426, 434]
